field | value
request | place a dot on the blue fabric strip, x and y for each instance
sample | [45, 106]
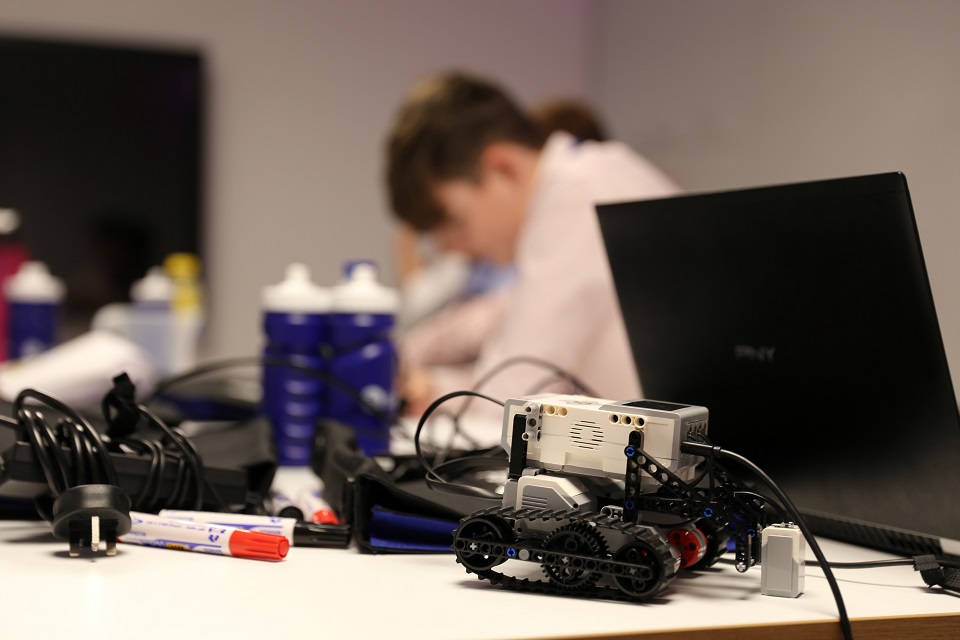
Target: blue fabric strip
[405, 532]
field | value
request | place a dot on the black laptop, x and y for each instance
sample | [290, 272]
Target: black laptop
[801, 316]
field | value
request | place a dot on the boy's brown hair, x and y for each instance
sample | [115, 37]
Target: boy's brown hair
[572, 116]
[440, 133]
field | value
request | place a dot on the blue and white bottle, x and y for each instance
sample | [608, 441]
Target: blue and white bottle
[34, 297]
[295, 318]
[363, 356]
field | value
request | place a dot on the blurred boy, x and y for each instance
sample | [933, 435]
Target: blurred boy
[468, 166]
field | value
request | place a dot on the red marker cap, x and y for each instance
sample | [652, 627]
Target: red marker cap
[254, 544]
[324, 516]
[315, 508]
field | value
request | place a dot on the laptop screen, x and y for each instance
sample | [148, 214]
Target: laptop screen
[801, 316]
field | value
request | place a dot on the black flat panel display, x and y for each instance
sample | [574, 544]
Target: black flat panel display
[801, 316]
[101, 155]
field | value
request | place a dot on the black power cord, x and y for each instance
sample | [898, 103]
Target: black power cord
[433, 477]
[88, 453]
[252, 361]
[87, 503]
[556, 373]
[710, 451]
[936, 572]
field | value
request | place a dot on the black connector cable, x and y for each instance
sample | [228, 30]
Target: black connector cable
[710, 451]
[936, 572]
[251, 361]
[433, 477]
[556, 373]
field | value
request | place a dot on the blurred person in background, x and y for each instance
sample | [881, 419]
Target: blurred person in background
[570, 115]
[451, 302]
[482, 178]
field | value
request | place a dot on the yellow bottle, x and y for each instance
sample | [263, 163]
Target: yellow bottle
[187, 305]
[184, 270]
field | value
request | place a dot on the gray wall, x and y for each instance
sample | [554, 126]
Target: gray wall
[721, 94]
[750, 92]
[301, 95]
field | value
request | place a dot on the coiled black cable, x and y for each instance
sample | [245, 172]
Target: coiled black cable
[71, 452]
[88, 461]
[123, 414]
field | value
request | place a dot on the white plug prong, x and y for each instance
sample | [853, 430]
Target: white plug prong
[95, 533]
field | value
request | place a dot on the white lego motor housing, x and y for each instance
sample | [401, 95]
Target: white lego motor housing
[582, 436]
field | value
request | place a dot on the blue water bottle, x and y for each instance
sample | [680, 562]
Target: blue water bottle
[363, 358]
[34, 297]
[295, 325]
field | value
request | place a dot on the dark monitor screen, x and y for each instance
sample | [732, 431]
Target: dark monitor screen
[801, 316]
[101, 157]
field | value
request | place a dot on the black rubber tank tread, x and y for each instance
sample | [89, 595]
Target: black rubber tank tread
[585, 554]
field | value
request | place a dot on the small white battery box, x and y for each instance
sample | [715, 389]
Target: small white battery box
[782, 552]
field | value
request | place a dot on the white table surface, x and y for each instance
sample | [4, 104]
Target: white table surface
[158, 593]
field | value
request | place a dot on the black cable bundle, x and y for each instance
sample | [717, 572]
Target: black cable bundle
[86, 460]
[71, 452]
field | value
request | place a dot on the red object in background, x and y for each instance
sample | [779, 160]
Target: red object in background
[12, 255]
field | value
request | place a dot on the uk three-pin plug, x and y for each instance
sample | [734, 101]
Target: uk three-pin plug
[90, 513]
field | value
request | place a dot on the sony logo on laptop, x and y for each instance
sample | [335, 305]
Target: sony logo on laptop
[752, 353]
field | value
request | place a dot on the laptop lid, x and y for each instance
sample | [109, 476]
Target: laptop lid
[801, 316]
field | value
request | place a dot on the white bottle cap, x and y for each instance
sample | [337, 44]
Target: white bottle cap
[9, 221]
[360, 292]
[297, 293]
[33, 283]
[153, 287]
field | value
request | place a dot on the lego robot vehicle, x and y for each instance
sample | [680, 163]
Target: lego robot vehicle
[601, 497]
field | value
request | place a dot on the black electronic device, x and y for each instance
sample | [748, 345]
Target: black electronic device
[101, 155]
[802, 316]
[21, 476]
